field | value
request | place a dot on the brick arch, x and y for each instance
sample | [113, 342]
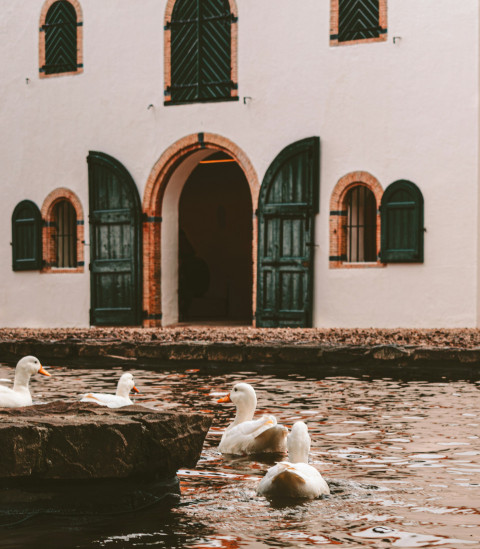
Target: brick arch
[338, 215]
[41, 45]
[49, 228]
[167, 49]
[156, 185]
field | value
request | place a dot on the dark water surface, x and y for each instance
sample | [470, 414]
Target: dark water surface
[402, 458]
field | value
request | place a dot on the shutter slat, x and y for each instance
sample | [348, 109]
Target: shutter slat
[26, 237]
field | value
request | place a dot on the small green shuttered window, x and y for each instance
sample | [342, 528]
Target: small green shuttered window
[358, 20]
[26, 237]
[201, 51]
[60, 39]
[401, 213]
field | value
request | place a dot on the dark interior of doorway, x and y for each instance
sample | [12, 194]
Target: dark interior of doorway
[215, 244]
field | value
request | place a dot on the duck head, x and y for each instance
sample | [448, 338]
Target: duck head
[26, 367]
[125, 385]
[245, 400]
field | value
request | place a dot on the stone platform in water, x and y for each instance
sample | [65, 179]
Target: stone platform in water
[66, 457]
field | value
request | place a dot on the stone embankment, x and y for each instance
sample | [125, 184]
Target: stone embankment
[66, 457]
[246, 345]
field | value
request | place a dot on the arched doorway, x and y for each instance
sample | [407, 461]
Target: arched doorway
[215, 243]
[161, 230]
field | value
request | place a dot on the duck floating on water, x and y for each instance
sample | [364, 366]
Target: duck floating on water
[20, 394]
[247, 435]
[119, 399]
[294, 478]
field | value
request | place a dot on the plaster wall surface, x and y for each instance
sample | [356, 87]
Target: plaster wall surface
[403, 110]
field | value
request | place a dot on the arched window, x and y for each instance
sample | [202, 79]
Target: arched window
[361, 225]
[63, 232]
[60, 38]
[355, 221]
[200, 47]
[66, 234]
[402, 223]
[26, 237]
[354, 21]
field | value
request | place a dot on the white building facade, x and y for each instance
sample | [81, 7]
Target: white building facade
[265, 162]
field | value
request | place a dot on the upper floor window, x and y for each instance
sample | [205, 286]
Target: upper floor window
[60, 38]
[354, 21]
[200, 51]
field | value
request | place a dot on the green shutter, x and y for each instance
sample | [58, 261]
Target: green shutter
[26, 237]
[402, 223]
[358, 20]
[60, 38]
[115, 243]
[287, 206]
[200, 51]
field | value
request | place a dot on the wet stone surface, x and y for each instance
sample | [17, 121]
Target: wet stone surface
[75, 440]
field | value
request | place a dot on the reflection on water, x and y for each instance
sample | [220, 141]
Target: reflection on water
[402, 459]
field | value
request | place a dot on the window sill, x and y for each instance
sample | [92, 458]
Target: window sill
[63, 270]
[357, 265]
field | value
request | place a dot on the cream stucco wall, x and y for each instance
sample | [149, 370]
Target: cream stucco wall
[403, 110]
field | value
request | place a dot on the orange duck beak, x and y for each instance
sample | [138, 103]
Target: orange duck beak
[43, 372]
[225, 399]
[135, 390]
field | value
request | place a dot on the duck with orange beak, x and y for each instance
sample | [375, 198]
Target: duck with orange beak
[247, 435]
[119, 399]
[20, 394]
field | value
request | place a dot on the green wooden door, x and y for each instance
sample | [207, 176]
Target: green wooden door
[115, 243]
[286, 212]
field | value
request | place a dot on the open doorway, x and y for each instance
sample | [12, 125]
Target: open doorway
[215, 243]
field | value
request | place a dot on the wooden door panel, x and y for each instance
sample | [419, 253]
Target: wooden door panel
[287, 206]
[115, 243]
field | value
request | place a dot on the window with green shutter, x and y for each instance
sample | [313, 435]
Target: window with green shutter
[60, 30]
[354, 21]
[26, 237]
[401, 213]
[201, 52]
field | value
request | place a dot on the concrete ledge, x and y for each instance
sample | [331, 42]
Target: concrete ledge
[100, 353]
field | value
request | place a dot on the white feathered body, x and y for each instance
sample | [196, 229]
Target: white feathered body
[293, 480]
[119, 399]
[254, 437]
[105, 399]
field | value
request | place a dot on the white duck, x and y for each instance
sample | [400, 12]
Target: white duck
[20, 394]
[246, 435]
[119, 399]
[294, 478]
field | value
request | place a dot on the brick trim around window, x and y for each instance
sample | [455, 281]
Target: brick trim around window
[49, 231]
[167, 49]
[334, 26]
[338, 219]
[41, 34]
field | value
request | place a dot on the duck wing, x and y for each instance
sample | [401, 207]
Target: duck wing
[255, 436]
